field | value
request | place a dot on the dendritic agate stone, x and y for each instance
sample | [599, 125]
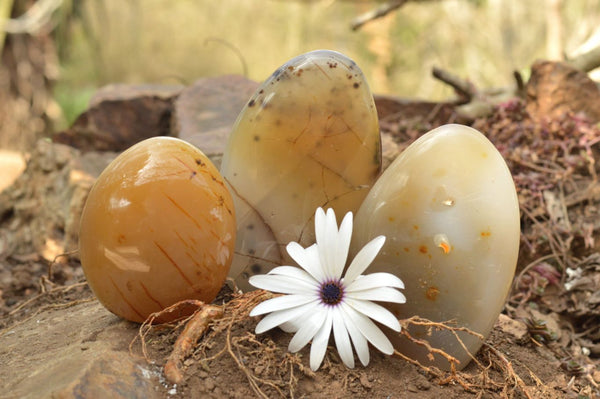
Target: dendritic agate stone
[449, 209]
[308, 137]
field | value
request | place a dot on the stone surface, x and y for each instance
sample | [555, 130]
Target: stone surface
[120, 116]
[515, 328]
[205, 112]
[111, 375]
[307, 138]
[452, 240]
[36, 361]
[95, 362]
[12, 164]
[555, 88]
[158, 227]
[40, 212]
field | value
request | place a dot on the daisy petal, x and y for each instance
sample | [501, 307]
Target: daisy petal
[307, 330]
[282, 284]
[374, 311]
[343, 244]
[321, 237]
[294, 272]
[383, 294]
[342, 340]
[281, 303]
[307, 258]
[351, 312]
[282, 316]
[319, 343]
[359, 340]
[320, 226]
[290, 326]
[327, 241]
[375, 280]
[363, 258]
[312, 256]
[369, 330]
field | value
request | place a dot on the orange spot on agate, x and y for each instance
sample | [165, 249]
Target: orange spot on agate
[432, 293]
[415, 227]
[486, 233]
[423, 249]
[445, 247]
[391, 218]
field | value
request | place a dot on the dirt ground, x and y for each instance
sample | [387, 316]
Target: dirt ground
[546, 343]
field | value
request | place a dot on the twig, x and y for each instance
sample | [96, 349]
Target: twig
[43, 309]
[34, 19]
[379, 12]
[38, 296]
[465, 89]
[587, 61]
[520, 83]
[517, 280]
[233, 48]
[553, 239]
[54, 261]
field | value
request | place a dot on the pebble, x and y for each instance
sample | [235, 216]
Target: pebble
[364, 381]
[202, 374]
[412, 388]
[209, 384]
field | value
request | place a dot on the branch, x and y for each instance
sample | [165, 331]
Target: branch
[465, 89]
[587, 61]
[520, 83]
[35, 18]
[380, 12]
[473, 103]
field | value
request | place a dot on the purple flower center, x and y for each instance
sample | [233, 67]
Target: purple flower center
[332, 292]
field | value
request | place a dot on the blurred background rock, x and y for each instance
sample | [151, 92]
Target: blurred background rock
[56, 53]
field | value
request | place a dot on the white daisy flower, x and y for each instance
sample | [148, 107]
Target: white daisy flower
[320, 299]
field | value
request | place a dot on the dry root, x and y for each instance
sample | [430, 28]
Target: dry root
[237, 310]
[59, 291]
[195, 327]
[276, 373]
[471, 382]
[222, 318]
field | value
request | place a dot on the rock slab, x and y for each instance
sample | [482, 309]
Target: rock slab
[80, 352]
